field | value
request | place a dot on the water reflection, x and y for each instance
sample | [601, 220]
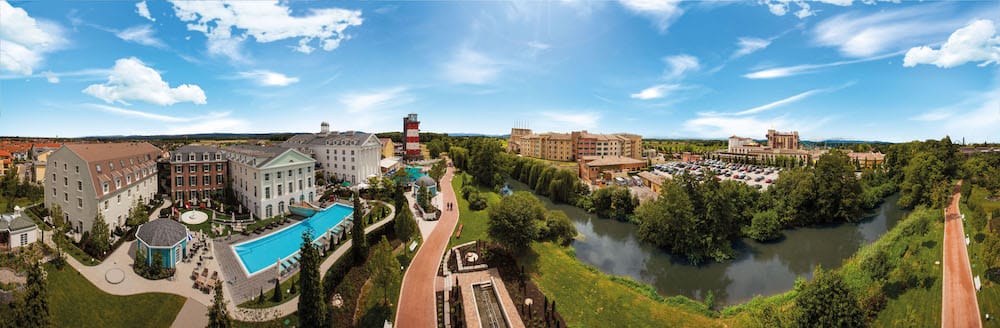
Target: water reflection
[760, 269]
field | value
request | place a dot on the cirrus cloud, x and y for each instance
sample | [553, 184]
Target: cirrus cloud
[655, 92]
[269, 78]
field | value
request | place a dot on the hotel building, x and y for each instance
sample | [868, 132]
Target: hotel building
[106, 178]
[350, 156]
[573, 146]
[197, 174]
[266, 180]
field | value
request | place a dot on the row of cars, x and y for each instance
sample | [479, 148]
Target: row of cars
[757, 176]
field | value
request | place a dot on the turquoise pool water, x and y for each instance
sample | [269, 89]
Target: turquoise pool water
[414, 173]
[261, 253]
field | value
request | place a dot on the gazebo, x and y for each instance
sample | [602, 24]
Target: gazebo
[425, 181]
[167, 237]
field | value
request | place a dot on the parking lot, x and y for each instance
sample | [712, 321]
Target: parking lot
[757, 176]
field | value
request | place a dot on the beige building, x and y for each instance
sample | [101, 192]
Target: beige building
[779, 145]
[388, 148]
[574, 146]
[593, 168]
[38, 166]
[782, 140]
[268, 179]
[106, 178]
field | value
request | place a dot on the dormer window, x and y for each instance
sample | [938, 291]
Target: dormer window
[191, 157]
[218, 156]
[121, 162]
[111, 166]
[105, 187]
[118, 183]
[128, 179]
[98, 167]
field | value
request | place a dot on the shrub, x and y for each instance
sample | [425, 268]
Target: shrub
[877, 265]
[477, 202]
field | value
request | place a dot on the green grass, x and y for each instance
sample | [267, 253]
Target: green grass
[75, 302]
[588, 298]
[989, 295]
[474, 223]
[206, 227]
[77, 253]
[291, 320]
[373, 311]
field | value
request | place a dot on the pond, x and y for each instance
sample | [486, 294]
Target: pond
[760, 269]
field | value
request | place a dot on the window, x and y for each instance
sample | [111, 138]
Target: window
[204, 157]
[179, 169]
[193, 168]
[24, 239]
[269, 210]
[131, 161]
[300, 184]
[180, 181]
[290, 188]
[218, 157]
[128, 179]
[328, 151]
[219, 179]
[267, 193]
[65, 167]
[206, 168]
[192, 181]
[105, 205]
[191, 157]
[118, 183]
[79, 185]
[206, 180]
[79, 202]
[119, 198]
[267, 176]
[77, 169]
[352, 159]
[53, 177]
[111, 166]
[310, 182]
[279, 190]
[177, 158]
[279, 174]
[309, 169]
[54, 192]
[218, 167]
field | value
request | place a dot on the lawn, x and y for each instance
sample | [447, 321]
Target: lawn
[206, 227]
[588, 298]
[373, 312]
[286, 286]
[474, 223]
[75, 302]
[989, 295]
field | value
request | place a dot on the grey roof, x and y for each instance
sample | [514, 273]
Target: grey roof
[161, 232]
[425, 181]
[332, 138]
[13, 222]
[196, 149]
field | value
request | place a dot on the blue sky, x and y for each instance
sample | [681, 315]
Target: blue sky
[831, 69]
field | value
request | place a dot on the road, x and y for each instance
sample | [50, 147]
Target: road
[959, 307]
[417, 304]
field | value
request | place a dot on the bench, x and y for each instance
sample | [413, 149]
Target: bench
[459, 233]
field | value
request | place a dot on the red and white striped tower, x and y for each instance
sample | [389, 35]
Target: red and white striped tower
[411, 137]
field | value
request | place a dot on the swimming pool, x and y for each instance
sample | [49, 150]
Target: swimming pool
[261, 253]
[414, 173]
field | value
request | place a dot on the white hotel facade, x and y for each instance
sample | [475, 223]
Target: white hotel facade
[351, 156]
[268, 179]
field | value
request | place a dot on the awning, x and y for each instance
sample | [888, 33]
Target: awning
[345, 184]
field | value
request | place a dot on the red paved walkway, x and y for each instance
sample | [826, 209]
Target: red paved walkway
[958, 300]
[417, 307]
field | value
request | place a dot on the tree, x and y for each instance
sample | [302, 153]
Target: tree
[438, 170]
[140, 261]
[276, 297]
[486, 162]
[137, 215]
[384, 269]
[218, 315]
[765, 226]
[920, 175]
[436, 147]
[514, 222]
[424, 198]
[877, 265]
[312, 309]
[359, 244]
[34, 308]
[157, 266]
[828, 302]
[59, 233]
[100, 237]
[558, 227]
[838, 191]
[404, 223]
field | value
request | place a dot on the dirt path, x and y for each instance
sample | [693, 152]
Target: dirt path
[417, 303]
[959, 307]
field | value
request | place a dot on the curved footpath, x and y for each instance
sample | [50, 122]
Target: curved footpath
[959, 307]
[133, 284]
[417, 304]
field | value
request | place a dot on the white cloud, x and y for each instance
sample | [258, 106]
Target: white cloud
[208, 123]
[722, 126]
[786, 71]
[857, 35]
[662, 12]
[265, 21]
[575, 120]
[374, 100]
[138, 114]
[655, 92]
[932, 116]
[750, 45]
[269, 78]
[470, 67]
[538, 45]
[777, 103]
[679, 65]
[141, 34]
[24, 41]
[782, 7]
[51, 77]
[131, 79]
[143, 10]
[976, 42]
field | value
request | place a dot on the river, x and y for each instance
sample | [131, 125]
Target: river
[760, 268]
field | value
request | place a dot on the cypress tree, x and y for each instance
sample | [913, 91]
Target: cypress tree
[359, 242]
[312, 309]
[276, 297]
[218, 316]
[34, 311]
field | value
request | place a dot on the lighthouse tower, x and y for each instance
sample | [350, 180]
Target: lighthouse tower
[411, 138]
